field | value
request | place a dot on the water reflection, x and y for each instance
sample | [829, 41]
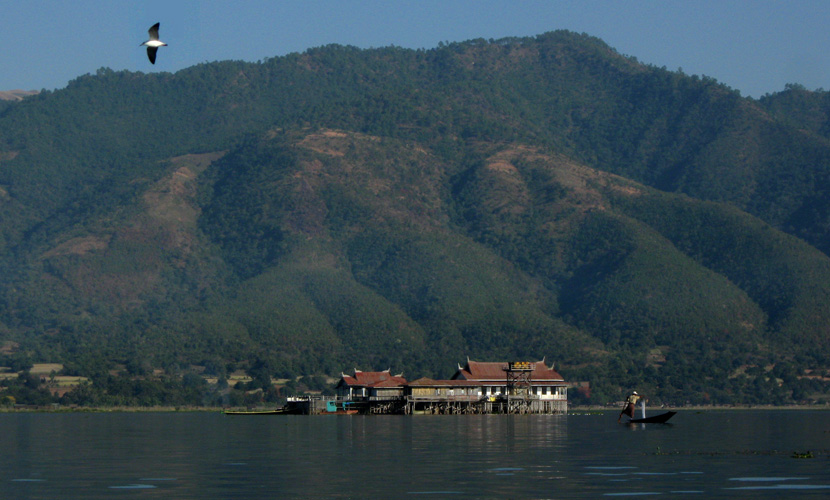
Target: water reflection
[170, 455]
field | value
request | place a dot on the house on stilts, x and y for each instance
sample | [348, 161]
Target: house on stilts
[475, 388]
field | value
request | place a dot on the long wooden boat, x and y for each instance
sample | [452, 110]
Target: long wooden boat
[656, 419]
[278, 411]
[340, 412]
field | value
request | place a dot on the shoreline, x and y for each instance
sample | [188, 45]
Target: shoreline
[571, 409]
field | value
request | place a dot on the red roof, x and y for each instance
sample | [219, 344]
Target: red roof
[474, 373]
[391, 382]
[428, 382]
[373, 379]
[495, 372]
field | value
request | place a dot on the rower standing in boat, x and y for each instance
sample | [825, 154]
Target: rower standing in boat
[630, 403]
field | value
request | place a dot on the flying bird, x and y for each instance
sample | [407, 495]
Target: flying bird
[153, 43]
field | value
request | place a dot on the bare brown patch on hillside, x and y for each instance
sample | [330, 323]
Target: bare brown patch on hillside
[9, 347]
[505, 189]
[627, 190]
[580, 182]
[397, 179]
[170, 203]
[334, 133]
[503, 167]
[327, 142]
[79, 246]
[560, 191]
[127, 259]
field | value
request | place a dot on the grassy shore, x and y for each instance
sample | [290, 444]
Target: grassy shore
[115, 409]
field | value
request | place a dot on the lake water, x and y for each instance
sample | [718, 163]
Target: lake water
[726, 454]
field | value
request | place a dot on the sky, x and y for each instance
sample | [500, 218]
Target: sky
[754, 46]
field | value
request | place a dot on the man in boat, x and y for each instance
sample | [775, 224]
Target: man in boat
[630, 403]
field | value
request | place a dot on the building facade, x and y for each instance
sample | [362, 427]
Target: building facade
[477, 387]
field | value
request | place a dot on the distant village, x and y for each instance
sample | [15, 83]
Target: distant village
[475, 388]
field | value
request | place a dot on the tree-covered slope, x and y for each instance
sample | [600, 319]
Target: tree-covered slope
[495, 199]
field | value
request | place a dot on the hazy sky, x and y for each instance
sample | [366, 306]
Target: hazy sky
[755, 46]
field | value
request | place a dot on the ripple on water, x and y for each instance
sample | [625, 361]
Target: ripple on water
[609, 470]
[768, 479]
[784, 487]
[633, 494]
[506, 471]
[133, 487]
[610, 467]
[776, 479]
[433, 493]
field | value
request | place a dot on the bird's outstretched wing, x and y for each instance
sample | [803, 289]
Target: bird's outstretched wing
[154, 34]
[151, 53]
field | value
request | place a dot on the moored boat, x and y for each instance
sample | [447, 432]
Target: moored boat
[333, 408]
[278, 411]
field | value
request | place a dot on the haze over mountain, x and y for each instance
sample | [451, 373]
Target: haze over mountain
[15, 95]
[501, 199]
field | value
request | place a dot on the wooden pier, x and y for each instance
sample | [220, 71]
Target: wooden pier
[482, 406]
[414, 405]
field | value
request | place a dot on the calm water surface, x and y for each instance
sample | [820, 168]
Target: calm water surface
[726, 454]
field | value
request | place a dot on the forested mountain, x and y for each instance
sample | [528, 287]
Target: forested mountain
[500, 200]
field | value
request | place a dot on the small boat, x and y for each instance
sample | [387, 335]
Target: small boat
[656, 419]
[278, 411]
[332, 408]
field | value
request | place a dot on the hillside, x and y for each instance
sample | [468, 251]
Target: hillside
[504, 199]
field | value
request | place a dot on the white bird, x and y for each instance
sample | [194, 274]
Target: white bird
[153, 43]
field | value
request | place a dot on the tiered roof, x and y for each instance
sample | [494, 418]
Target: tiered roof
[473, 373]
[495, 372]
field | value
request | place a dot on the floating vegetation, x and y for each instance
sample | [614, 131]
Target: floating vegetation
[808, 454]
